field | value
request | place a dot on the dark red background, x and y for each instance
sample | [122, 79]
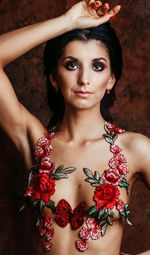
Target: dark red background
[131, 111]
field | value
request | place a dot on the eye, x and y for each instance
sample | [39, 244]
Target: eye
[71, 65]
[98, 66]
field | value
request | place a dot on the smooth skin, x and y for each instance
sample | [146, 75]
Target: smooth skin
[81, 132]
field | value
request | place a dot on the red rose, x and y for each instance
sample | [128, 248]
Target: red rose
[111, 177]
[106, 196]
[43, 187]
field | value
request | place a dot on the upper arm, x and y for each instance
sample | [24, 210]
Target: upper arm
[141, 154]
[14, 118]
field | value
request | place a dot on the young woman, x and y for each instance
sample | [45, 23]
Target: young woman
[83, 64]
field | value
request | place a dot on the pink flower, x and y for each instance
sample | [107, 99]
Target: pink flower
[113, 163]
[82, 245]
[42, 142]
[39, 153]
[114, 128]
[84, 233]
[123, 169]
[119, 162]
[47, 246]
[120, 205]
[95, 233]
[41, 228]
[111, 177]
[50, 135]
[121, 158]
[48, 149]
[91, 223]
[115, 149]
[49, 234]
[47, 165]
[48, 221]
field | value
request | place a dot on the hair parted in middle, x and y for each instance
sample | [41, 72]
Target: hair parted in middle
[54, 50]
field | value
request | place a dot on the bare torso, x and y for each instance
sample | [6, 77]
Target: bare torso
[95, 155]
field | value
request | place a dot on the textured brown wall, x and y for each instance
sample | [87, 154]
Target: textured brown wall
[131, 111]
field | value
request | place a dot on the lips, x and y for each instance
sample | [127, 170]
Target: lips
[83, 93]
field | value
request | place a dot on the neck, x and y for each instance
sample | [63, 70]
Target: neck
[81, 125]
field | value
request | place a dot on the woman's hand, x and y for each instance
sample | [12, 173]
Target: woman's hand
[90, 14]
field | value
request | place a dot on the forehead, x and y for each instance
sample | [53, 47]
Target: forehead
[86, 49]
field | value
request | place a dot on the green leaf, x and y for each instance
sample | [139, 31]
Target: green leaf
[30, 178]
[112, 133]
[123, 184]
[35, 167]
[42, 205]
[106, 129]
[101, 213]
[37, 223]
[112, 214]
[114, 138]
[109, 221]
[129, 222]
[59, 169]
[101, 181]
[104, 229]
[69, 170]
[92, 210]
[109, 140]
[102, 222]
[51, 205]
[22, 207]
[123, 213]
[96, 175]
[88, 172]
[90, 180]
[96, 184]
[58, 176]
[35, 203]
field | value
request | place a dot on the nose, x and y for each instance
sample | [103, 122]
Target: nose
[83, 78]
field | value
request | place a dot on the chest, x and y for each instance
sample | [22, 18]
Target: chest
[94, 156]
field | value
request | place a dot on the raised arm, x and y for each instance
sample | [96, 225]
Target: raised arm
[14, 118]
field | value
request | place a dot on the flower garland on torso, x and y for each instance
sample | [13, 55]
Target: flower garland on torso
[41, 186]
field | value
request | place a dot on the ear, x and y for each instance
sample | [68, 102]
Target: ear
[53, 81]
[111, 82]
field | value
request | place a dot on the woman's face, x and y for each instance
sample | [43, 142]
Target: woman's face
[83, 74]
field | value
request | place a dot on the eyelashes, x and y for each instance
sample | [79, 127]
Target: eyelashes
[72, 65]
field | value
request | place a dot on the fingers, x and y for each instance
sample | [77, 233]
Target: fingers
[102, 9]
[114, 11]
[95, 4]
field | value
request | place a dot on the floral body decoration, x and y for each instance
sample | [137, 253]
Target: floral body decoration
[106, 195]
[41, 186]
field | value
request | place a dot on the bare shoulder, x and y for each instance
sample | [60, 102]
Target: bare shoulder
[135, 142]
[137, 149]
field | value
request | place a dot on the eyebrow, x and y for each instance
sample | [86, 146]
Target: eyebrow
[75, 59]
